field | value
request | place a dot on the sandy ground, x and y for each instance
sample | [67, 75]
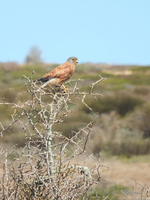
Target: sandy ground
[125, 173]
[135, 176]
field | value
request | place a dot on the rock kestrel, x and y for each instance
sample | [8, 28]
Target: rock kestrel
[60, 74]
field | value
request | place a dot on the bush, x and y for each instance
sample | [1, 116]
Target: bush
[126, 104]
[72, 123]
[44, 168]
[9, 95]
[114, 192]
[130, 147]
[9, 66]
[114, 135]
[142, 90]
[119, 102]
[141, 120]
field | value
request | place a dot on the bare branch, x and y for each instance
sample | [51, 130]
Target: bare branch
[45, 167]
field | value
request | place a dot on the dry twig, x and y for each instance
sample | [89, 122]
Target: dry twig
[41, 169]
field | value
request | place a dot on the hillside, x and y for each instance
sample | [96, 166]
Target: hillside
[121, 133]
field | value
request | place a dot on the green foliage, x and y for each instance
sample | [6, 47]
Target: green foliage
[8, 96]
[128, 80]
[114, 192]
[126, 103]
[121, 103]
[73, 124]
[141, 69]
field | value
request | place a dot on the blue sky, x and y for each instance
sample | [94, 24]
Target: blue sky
[99, 31]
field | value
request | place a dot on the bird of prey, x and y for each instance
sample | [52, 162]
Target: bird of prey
[60, 74]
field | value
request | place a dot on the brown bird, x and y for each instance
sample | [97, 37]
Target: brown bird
[60, 74]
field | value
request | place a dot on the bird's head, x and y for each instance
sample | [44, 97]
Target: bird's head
[73, 60]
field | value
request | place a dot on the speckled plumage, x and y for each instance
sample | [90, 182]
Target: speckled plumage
[60, 74]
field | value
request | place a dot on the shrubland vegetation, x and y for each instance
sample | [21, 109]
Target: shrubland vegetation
[123, 110]
[121, 113]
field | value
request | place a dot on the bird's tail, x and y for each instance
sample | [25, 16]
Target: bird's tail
[41, 87]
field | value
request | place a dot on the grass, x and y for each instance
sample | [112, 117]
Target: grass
[114, 192]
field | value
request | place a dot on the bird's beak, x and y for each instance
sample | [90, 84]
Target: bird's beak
[77, 61]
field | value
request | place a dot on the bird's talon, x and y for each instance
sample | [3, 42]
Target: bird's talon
[64, 88]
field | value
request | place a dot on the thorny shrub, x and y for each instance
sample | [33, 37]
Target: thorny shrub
[44, 168]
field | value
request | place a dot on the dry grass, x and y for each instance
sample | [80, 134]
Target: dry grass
[121, 173]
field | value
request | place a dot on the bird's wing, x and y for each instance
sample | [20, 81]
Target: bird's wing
[63, 72]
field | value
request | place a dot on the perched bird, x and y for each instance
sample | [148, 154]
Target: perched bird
[60, 74]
